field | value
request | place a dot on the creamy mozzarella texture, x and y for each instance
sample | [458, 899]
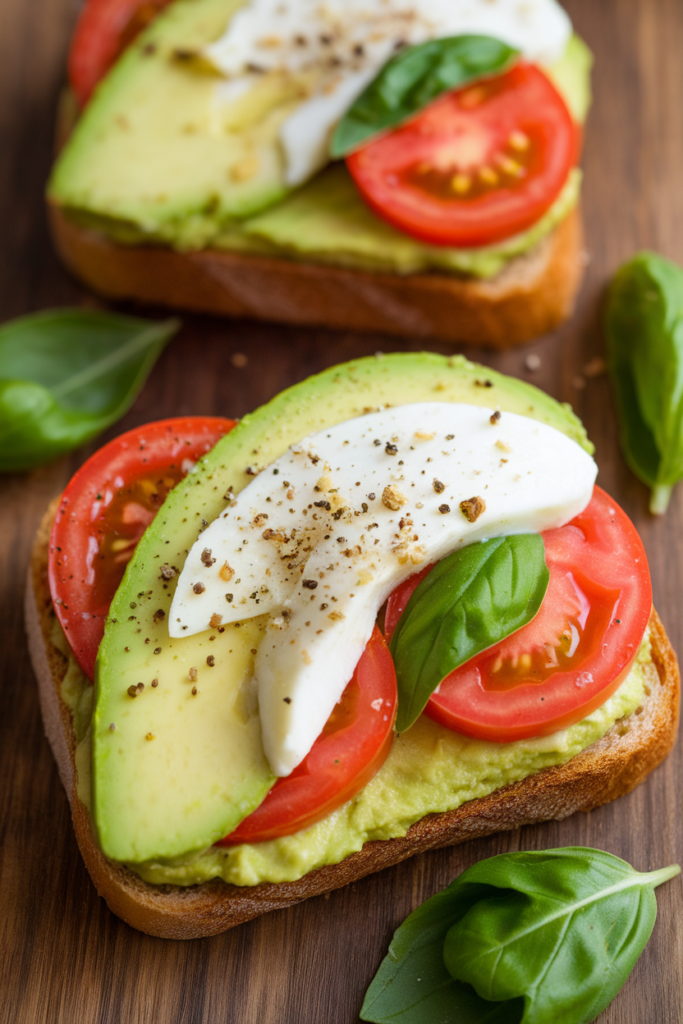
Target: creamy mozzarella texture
[337, 47]
[322, 536]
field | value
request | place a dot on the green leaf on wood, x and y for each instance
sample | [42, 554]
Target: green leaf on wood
[66, 375]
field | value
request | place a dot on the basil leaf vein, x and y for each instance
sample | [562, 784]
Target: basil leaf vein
[470, 601]
[543, 937]
[564, 931]
[412, 79]
[66, 375]
[644, 333]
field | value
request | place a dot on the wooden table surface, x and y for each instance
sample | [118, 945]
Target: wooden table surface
[63, 956]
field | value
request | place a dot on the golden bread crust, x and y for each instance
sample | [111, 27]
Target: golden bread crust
[604, 771]
[534, 294]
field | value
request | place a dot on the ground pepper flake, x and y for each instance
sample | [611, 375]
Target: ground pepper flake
[392, 498]
[472, 508]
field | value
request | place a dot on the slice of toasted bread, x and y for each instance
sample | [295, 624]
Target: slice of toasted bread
[531, 296]
[607, 769]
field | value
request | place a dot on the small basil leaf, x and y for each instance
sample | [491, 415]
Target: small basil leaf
[413, 985]
[644, 332]
[563, 930]
[66, 375]
[470, 601]
[412, 79]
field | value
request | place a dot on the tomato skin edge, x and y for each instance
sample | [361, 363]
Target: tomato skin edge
[469, 224]
[68, 547]
[512, 733]
[273, 818]
[610, 565]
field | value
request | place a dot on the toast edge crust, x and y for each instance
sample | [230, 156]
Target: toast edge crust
[531, 296]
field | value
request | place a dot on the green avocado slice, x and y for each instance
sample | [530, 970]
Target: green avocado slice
[179, 770]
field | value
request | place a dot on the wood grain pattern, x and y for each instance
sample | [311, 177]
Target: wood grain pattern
[63, 956]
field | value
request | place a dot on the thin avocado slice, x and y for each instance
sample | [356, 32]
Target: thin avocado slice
[179, 769]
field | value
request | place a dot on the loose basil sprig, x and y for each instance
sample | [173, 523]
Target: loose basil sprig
[543, 937]
[644, 328]
[65, 375]
[412, 79]
[470, 601]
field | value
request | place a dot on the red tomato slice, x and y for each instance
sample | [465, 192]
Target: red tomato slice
[104, 512]
[574, 654]
[477, 165]
[103, 31]
[350, 750]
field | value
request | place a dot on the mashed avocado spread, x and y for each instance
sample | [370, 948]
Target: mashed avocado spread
[430, 769]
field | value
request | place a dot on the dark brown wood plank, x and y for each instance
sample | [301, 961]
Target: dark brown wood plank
[63, 956]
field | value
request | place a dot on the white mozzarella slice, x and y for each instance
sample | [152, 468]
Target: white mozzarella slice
[340, 45]
[323, 535]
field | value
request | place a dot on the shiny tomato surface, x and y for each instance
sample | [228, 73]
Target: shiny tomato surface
[103, 31]
[568, 660]
[105, 510]
[478, 165]
[350, 750]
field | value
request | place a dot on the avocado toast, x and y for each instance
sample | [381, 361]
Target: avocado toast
[205, 193]
[490, 787]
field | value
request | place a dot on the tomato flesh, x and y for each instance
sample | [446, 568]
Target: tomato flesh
[350, 750]
[576, 652]
[103, 31]
[104, 511]
[478, 165]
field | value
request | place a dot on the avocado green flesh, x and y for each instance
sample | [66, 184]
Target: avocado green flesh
[180, 770]
[430, 769]
[159, 156]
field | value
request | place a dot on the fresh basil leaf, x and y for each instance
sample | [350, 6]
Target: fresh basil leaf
[563, 931]
[543, 937]
[413, 986]
[66, 375]
[644, 331]
[470, 601]
[412, 79]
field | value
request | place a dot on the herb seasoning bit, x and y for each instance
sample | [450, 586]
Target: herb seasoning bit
[444, 509]
[391, 449]
[199, 588]
[159, 615]
[167, 572]
[215, 620]
[392, 498]
[309, 584]
[472, 508]
[438, 486]
[483, 383]
[207, 558]
[192, 675]
[495, 417]
[287, 700]
[211, 661]
[157, 650]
